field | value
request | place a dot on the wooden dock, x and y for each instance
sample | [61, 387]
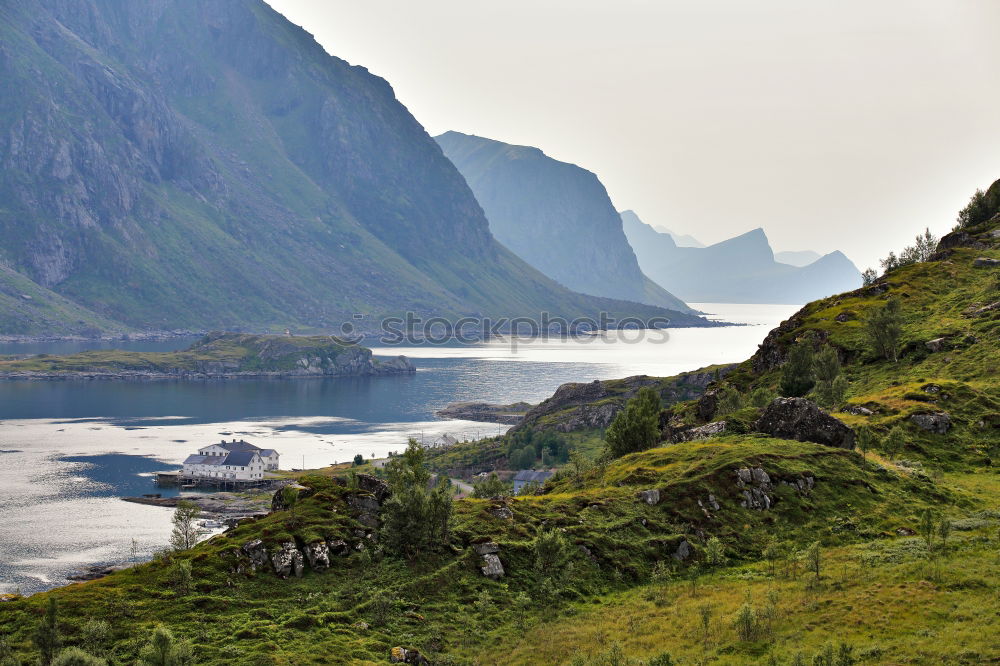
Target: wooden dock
[178, 478]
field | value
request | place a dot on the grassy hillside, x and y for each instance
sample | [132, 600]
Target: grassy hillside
[736, 549]
[214, 354]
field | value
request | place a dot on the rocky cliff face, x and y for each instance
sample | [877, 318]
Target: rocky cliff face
[739, 270]
[207, 165]
[554, 215]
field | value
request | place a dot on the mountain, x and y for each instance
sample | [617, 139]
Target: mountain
[739, 270]
[554, 215]
[796, 257]
[209, 165]
[682, 240]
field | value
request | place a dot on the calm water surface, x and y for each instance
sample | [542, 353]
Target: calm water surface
[69, 450]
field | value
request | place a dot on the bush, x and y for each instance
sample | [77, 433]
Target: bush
[883, 328]
[975, 212]
[492, 487]
[637, 427]
[74, 656]
[797, 374]
[551, 550]
[416, 519]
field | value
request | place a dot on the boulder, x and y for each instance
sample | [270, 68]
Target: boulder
[938, 423]
[278, 502]
[365, 509]
[492, 567]
[707, 404]
[257, 553]
[802, 420]
[318, 555]
[683, 551]
[287, 560]
[501, 511]
[651, 497]
[702, 432]
[985, 262]
[401, 655]
[937, 344]
[338, 547]
[857, 410]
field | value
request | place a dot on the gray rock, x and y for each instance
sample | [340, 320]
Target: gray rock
[486, 548]
[501, 511]
[802, 420]
[744, 475]
[492, 568]
[257, 553]
[287, 560]
[759, 475]
[707, 405]
[938, 423]
[651, 497]
[857, 410]
[683, 551]
[937, 344]
[985, 262]
[318, 555]
[702, 432]
[338, 547]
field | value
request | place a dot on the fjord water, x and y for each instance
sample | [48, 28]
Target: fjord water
[70, 449]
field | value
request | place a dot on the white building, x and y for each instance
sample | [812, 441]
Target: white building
[230, 461]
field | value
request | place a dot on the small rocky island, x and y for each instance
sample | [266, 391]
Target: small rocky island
[215, 356]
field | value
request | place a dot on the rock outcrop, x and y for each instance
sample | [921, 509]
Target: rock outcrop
[492, 567]
[287, 560]
[938, 423]
[802, 420]
[401, 655]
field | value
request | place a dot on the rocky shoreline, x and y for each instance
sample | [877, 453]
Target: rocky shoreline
[486, 412]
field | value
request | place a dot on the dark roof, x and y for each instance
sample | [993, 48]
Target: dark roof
[239, 458]
[529, 475]
[267, 452]
[196, 459]
[238, 446]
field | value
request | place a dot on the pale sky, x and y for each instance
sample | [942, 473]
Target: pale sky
[842, 124]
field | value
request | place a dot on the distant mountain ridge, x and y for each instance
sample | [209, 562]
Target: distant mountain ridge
[556, 216]
[797, 257]
[738, 270]
[208, 165]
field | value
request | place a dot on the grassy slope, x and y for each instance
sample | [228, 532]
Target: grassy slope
[249, 352]
[878, 590]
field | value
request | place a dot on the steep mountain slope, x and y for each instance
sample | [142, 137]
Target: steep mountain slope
[554, 215]
[208, 165]
[739, 270]
[682, 240]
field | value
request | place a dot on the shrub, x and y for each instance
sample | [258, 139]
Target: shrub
[492, 487]
[551, 550]
[975, 212]
[74, 656]
[797, 374]
[416, 519]
[637, 427]
[883, 328]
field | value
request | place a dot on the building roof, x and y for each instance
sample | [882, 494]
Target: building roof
[264, 453]
[196, 459]
[238, 446]
[529, 475]
[240, 458]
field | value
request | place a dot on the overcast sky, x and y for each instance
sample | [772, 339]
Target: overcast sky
[843, 124]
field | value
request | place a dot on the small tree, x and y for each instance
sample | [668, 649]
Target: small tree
[705, 613]
[715, 554]
[761, 397]
[522, 604]
[47, 638]
[730, 401]
[417, 519]
[813, 557]
[165, 650]
[637, 427]
[358, 460]
[865, 439]
[580, 463]
[868, 277]
[746, 623]
[884, 328]
[797, 374]
[894, 442]
[928, 525]
[551, 551]
[185, 532]
[74, 656]
[492, 487]
[827, 371]
[944, 531]
[181, 577]
[95, 635]
[976, 211]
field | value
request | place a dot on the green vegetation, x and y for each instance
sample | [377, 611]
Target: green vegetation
[797, 377]
[663, 555]
[214, 354]
[637, 427]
